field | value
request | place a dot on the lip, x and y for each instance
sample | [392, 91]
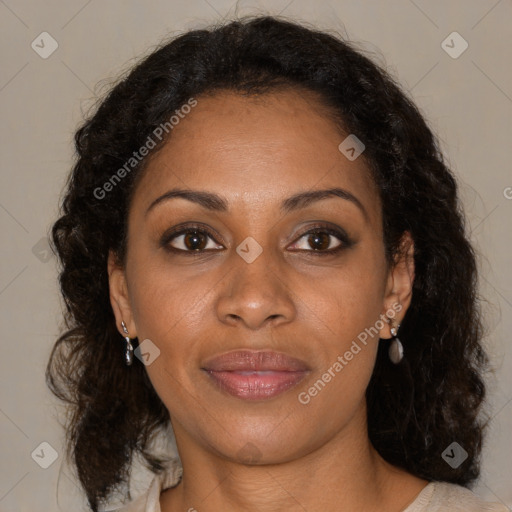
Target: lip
[255, 375]
[255, 360]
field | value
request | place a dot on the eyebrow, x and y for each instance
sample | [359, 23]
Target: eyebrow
[214, 202]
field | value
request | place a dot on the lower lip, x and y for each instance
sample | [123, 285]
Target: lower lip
[256, 385]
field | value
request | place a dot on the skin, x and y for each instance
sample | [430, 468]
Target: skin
[256, 152]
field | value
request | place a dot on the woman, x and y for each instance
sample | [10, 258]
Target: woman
[263, 249]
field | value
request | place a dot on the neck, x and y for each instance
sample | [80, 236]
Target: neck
[343, 475]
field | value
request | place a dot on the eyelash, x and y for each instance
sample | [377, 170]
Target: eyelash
[345, 241]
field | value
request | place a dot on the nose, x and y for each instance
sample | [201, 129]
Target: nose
[255, 294]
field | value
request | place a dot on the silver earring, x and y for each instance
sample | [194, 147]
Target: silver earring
[396, 349]
[128, 355]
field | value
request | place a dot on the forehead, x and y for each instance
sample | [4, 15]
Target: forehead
[256, 151]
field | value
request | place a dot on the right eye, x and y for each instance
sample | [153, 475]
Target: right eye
[191, 239]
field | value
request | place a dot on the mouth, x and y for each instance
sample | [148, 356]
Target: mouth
[255, 375]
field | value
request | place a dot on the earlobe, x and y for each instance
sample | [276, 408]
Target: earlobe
[119, 298]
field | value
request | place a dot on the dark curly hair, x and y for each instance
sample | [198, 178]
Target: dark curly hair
[415, 409]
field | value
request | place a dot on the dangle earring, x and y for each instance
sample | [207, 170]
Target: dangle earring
[128, 356]
[396, 349]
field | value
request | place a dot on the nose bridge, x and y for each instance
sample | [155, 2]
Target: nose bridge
[255, 276]
[254, 291]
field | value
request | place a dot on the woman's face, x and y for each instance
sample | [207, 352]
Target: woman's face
[253, 279]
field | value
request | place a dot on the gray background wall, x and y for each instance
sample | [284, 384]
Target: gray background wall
[467, 99]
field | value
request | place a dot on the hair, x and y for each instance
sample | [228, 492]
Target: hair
[417, 408]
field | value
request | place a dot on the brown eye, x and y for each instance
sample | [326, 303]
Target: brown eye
[319, 241]
[322, 240]
[189, 240]
[195, 240]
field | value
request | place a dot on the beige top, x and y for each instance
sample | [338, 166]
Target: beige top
[435, 497]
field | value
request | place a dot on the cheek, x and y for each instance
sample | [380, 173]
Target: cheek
[350, 298]
[164, 298]
[170, 311]
[347, 315]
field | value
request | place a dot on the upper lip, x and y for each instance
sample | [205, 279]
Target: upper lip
[244, 360]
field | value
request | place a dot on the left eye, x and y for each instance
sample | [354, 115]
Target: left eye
[320, 240]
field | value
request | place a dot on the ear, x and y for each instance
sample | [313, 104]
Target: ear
[398, 295]
[119, 298]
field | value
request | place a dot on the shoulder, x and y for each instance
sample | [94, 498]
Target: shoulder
[445, 496]
[149, 501]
